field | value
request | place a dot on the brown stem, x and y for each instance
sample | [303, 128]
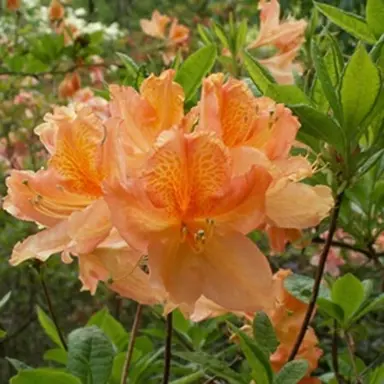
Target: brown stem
[335, 361]
[51, 311]
[319, 276]
[349, 341]
[168, 348]
[131, 345]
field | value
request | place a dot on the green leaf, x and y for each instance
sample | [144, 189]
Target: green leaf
[375, 52]
[331, 309]
[326, 82]
[360, 87]
[57, 354]
[300, 286]
[259, 75]
[241, 35]
[4, 300]
[221, 35]
[264, 333]
[217, 367]
[49, 327]
[190, 379]
[193, 70]
[18, 365]
[292, 372]
[377, 376]
[111, 327]
[348, 293]
[132, 69]
[350, 22]
[205, 34]
[2, 333]
[374, 305]
[256, 358]
[90, 355]
[44, 376]
[375, 16]
[320, 126]
[287, 94]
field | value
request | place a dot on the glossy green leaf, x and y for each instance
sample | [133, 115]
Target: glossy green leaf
[287, 94]
[264, 333]
[320, 126]
[256, 358]
[350, 22]
[48, 326]
[292, 372]
[326, 82]
[348, 293]
[257, 73]
[301, 286]
[44, 376]
[360, 87]
[90, 355]
[329, 308]
[193, 70]
[57, 354]
[375, 16]
[111, 327]
[212, 364]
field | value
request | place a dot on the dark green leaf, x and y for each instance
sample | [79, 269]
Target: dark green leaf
[326, 82]
[111, 327]
[257, 73]
[4, 300]
[193, 70]
[48, 326]
[360, 87]
[264, 333]
[320, 126]
[350, 22]
[292, 372]
[348, 293]
[331, 309]
[301, 286]
[375, 16]
[90, 355]
[190, 379]
[44, 376]
[374, 305]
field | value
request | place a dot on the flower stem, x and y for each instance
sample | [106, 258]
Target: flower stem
[131, 345]
[319, 276]
[50, 308]
[168, 347]
[335, 361]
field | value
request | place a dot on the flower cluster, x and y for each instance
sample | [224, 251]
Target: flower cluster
[157, 203]
[286, 37]
[176, 39]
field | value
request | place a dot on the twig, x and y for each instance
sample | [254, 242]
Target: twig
[50, 308]
[168, 348]
[349, 341]
[131, 345]
[335, 361]
[319, 276]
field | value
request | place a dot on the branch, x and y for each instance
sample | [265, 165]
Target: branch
[335, 361]
[131, 345]
[168, 348]
[319, 276]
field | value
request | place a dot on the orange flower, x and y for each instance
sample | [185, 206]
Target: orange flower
[55, 11]
[13, 5]
[156, 26]
[189, 213]
[70, 85]
[178, 33]
[67, 197]
[69, 31]
[283, 35]
[140, 118]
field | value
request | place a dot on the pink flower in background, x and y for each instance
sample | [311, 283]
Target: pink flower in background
[334, 261]
[97, 72]
[24, 97]
[98, 105]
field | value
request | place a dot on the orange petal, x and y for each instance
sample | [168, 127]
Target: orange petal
[40, 197]
[77, 156]
[279, 237]
[90, 226]
[166, 97]
[42, 245]
[178, 33]
[285, 210]
[156, 26]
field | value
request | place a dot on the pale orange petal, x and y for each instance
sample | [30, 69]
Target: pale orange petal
[178, 33]
[156, 26]
[297, 205]
[42, 245]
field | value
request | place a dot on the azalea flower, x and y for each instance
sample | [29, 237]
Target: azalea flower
[13, 5]
[334, 261]
[70, 85]
[56, 11]
[286, 36]
[259, 131]
[189, 214]
[66, 198]
[156, 26]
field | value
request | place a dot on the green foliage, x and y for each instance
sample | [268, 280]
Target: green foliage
[49, 327]
[44, 376]
[292, 372]
[264, 333]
